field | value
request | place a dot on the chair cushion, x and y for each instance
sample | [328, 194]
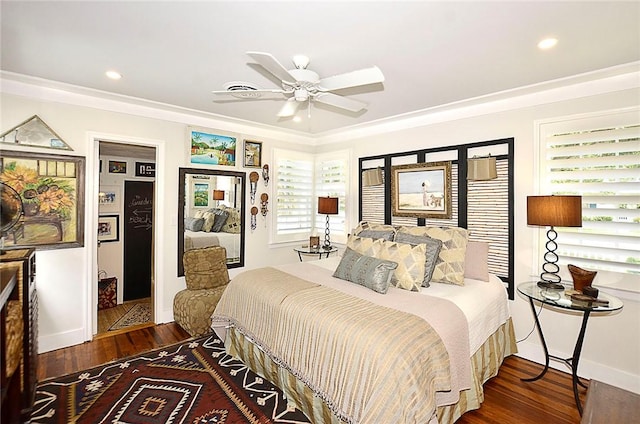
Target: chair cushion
[205, 268]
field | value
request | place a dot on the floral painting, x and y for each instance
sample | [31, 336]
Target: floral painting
[212, 149]
[51, 192]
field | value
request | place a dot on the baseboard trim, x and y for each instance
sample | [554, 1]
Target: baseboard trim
[587, 369]
[60, 340]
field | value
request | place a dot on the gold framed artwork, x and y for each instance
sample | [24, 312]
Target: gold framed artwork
[421, 190]
[252, 154]
[51, 190]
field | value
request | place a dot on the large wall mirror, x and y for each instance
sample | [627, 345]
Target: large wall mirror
[211, 213]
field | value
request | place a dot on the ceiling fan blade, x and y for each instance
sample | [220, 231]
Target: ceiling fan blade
[340, 101]
[351, 79]
[290, 108]
[251, 94]
[272, 65]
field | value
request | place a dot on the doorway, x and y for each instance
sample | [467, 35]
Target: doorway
[125, 255]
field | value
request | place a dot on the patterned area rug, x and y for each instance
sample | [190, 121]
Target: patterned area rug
[138, 314]
[192, 382]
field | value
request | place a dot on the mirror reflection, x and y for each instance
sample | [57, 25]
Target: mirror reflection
[211, 213]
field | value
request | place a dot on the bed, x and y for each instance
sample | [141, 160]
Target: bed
[199, 239]
[346, 353]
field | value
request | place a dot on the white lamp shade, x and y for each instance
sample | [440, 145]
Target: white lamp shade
[481, 169]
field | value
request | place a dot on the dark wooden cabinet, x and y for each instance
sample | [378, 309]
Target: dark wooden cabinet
[25, 261]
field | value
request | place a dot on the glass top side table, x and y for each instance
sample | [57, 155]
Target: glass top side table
[561, 299]
[314, 251]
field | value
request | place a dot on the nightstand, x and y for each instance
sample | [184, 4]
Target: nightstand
[559, 299]
[314, 251]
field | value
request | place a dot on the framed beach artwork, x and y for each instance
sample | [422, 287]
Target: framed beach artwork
[421, 190]
[200, 195]
[49, 190]
[211, 149]
[252, 154]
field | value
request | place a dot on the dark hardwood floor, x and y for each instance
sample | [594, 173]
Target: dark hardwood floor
[507, 399]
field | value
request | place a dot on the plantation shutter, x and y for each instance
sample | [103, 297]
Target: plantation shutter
[598, 159]
[294, 206]
[331, 180]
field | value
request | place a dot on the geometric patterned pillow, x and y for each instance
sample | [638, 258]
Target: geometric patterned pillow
[433, 252]
[450, 264]
[232, 225]
[410, 259]
[209, 219]
[374, 230]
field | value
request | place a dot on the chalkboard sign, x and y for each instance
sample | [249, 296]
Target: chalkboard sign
[138, 232]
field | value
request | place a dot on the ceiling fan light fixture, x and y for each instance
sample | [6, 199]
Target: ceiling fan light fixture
[301, 61]
[301, 95]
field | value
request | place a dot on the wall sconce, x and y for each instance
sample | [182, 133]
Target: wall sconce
[481, 168]
[372, 177]
[553, 211]
[327, 206]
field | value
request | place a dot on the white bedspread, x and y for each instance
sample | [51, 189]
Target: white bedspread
[483, 303]
[199, 239]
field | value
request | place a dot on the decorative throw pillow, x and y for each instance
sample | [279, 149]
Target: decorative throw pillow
[433, 251]
[220, 218]
[193, 224]
[450, 264]
[373, 273]
[476, 262]
[232, 225]
[209, 219]
[199, 214]
[374, 230]
[410, 259]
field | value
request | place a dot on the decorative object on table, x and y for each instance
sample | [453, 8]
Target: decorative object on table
[51, 188]
[581, 277]
[481, 168]
[34, 132]
[421, 190]
[212, 149]
[327, 206]
[265, 174]
[372, 177]
[314, 242]
[254, 220]
[264, 203]
[253, 185]
[591, 291]
[252, 154]
[218, 195]
[553, 211]
[11, 211]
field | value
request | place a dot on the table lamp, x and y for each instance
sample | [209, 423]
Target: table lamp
[218, 195]
[553, 211]
[328, 206]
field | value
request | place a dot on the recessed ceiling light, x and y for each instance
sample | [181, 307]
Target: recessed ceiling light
[547, 43]
[113, 75]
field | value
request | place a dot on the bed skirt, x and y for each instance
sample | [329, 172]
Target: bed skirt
[485, 364]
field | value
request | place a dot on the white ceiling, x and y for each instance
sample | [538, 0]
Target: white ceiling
[431, 53]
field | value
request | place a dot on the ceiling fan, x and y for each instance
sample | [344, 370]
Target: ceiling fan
[302, 85]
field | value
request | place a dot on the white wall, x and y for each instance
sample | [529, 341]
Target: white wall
[612, 346]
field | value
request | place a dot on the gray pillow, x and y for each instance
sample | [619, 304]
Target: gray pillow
[373, 273]
[433, 251]
[193, 224]
[219, 220]
[377, 234]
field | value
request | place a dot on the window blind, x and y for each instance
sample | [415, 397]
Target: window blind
[294, 207]
[331, 180]
[600, 162]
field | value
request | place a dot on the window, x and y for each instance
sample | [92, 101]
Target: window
[293, 215]
[331, 180]
[597, 157]
[299, 179]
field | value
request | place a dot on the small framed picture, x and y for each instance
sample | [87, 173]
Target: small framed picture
[421, 190]
[252, 154]
[108, 228]
[109, 199]
[117, 167]
[145, 169]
